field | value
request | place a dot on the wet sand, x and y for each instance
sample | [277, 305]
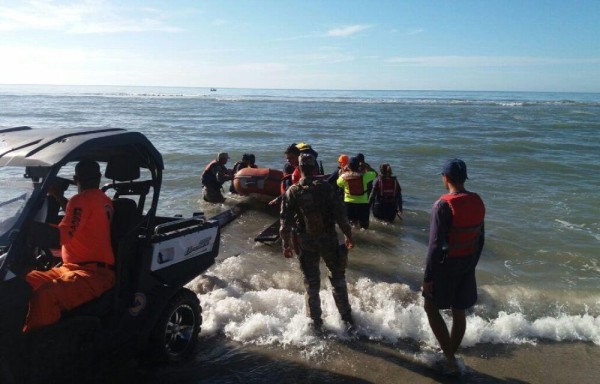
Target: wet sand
[363, 361]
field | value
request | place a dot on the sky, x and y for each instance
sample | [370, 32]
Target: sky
[486, 45]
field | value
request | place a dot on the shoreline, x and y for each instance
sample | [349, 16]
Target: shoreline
[362, 361]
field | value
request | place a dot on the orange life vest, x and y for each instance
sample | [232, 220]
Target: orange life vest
[355, 183]
[468, 213]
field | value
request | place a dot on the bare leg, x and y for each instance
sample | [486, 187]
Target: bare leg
[459, 325]
[438, 326]
[448, 342]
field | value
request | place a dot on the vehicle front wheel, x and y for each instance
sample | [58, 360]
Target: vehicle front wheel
[175, 335]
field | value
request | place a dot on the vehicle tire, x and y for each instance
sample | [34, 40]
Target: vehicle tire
[175, 334]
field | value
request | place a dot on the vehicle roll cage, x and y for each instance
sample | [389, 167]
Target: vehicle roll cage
[43, 152]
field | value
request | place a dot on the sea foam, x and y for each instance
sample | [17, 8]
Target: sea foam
[262, 308]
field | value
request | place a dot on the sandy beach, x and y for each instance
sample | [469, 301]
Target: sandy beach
[571, 362]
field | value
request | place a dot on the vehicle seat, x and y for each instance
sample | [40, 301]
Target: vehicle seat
[124, 242]
[122, 170]
[124, 219]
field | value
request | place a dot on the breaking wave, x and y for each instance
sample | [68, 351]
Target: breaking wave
[265, 308]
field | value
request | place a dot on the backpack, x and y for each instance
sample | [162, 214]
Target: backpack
[313, 205]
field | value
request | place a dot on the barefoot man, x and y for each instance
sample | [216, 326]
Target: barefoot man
[456, 237]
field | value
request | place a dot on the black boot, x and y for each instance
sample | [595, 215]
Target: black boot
[349, 324]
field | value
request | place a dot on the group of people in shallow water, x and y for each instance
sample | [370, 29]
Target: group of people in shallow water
[311, 205]
[359, 186]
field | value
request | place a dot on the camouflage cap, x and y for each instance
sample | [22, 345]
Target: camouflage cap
[307, 159]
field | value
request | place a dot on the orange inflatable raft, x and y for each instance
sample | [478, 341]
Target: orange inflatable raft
[264, 181]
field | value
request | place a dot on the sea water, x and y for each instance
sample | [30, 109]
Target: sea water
[533, 157]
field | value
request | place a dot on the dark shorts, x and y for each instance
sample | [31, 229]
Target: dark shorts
[358, 212]
[454, 284]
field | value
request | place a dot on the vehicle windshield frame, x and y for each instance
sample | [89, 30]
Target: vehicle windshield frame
[17, 190]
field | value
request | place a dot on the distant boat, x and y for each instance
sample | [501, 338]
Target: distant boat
[213, 89]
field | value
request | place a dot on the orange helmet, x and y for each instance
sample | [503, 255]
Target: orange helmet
[343, 160]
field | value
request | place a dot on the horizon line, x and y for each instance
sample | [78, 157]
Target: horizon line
[294, 89]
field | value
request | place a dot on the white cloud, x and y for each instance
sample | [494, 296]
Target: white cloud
[483, 61]
[347, 31]
[323, 58]
[336, 32]
[41, 65]
[266, 68]
[415, 31]
[84, 17]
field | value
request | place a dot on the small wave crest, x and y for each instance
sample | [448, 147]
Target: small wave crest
[577, 228]
[265, 308]
[239, 96]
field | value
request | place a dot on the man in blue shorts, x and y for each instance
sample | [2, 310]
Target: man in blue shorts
[456, 237]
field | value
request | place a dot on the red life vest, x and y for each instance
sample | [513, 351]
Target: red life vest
[208, 177]
[468, 213]
[210, 165]
[355, 183]
[388, 189]
[286, 182]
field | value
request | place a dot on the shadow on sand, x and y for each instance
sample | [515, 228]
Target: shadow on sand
[218, 360]
[403, 355]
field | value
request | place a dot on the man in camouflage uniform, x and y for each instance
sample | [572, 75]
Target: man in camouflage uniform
[313, 208]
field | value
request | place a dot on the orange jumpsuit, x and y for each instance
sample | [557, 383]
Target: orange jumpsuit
[88, 261]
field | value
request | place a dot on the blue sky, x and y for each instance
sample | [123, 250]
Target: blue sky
[511, 45]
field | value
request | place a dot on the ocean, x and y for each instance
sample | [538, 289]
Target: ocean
[533, 157]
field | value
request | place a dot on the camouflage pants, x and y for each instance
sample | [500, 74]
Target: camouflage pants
[311, 251]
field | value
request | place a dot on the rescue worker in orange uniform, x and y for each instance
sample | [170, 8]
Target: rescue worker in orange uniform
[87, 268]
[456, 238]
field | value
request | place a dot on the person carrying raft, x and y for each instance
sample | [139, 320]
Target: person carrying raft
[386, 196]
[213, 177]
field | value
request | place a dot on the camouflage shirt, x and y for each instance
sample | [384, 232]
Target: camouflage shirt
[313, 207]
